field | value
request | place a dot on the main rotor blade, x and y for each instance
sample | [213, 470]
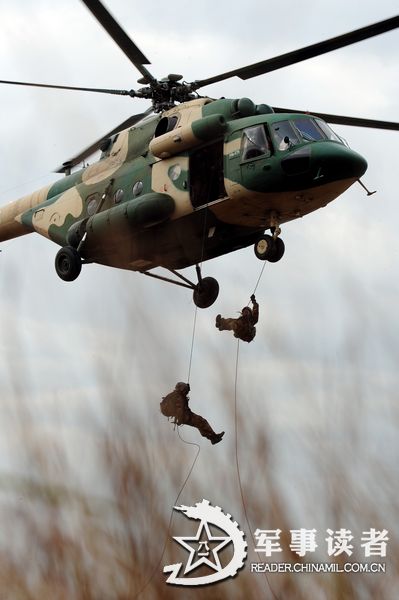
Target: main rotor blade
[119, 36]
[69, 87]
[72, 162]
[290, 58]
[342, 120]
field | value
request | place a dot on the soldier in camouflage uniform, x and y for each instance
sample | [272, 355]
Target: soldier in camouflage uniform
[244, 326]
[175, 405]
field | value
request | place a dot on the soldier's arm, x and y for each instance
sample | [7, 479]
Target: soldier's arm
[255, 310]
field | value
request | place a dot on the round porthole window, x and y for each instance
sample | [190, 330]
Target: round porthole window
[137, 188]
[175, 172]
[92, 203]
[118, 196]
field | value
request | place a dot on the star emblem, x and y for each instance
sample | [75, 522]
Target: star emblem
[199, 548]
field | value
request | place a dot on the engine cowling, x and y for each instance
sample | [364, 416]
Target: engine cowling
[189, 136]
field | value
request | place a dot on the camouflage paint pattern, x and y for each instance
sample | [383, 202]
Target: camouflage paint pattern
[174, 157]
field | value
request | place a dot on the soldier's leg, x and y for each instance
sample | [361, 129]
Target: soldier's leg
[226, 324]
[204, 428]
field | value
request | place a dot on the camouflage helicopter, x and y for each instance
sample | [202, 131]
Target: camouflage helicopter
[192, 178]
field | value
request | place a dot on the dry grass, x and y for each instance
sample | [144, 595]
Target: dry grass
[91, 521]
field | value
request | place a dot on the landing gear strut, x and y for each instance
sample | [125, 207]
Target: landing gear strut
[205, 291]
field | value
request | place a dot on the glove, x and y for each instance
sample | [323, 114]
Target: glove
[253, 298]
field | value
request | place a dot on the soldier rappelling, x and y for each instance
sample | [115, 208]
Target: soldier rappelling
[244, 325]
[175, 406]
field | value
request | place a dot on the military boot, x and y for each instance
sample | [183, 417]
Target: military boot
[217, 437]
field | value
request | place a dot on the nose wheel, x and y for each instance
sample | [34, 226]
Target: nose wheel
[269, 248]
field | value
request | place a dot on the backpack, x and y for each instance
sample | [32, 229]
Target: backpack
[168, 406]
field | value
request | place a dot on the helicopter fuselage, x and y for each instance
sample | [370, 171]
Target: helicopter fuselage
[200, 180]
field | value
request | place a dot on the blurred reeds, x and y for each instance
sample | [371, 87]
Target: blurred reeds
[86, 512]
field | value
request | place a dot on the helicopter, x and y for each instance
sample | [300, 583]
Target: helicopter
[192, 178]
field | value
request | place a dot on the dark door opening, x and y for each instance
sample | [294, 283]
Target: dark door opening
[206, 174]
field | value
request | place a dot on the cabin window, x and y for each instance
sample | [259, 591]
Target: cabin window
[92, 203]
[254, 143]
[137, 188]
[175, 172]
[118, 196]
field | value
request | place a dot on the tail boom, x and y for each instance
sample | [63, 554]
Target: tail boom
[10, 223]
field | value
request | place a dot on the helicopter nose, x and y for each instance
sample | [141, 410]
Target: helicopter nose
[327, 161]
[336, 161]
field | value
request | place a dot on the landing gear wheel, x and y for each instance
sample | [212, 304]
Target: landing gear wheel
[264, 247]
[206, 292]
[270, 249]
[278, 250]
[68, 263]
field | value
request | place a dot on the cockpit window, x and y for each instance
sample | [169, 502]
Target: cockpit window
[328, 132]
[254, 143]
[308, 130]
[287, 134]
[284, 135]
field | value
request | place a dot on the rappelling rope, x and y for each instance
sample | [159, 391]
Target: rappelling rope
[197, 445]
[259, 278]
[155, 570]
[236, 440]
[192, 344]
[196, 307]
[178, 432]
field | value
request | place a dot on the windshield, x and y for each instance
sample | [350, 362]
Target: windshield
[284, 135]
[328, 131]
[308, 130]
[287, 134]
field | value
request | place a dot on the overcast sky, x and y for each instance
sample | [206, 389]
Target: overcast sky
[328, 309]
